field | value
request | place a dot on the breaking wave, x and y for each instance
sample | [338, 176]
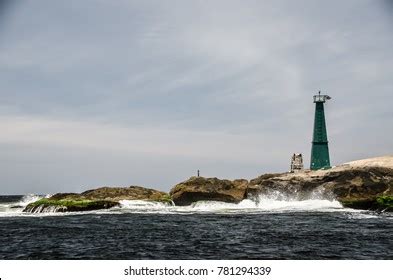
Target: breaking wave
[29, 198]
[22, 202]
[260, 204]
[11, 205]
[272, 203]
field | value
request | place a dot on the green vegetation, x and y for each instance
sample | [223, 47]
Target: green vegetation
[385, 202]
[166, 198]
[380, 203]
[62, 202]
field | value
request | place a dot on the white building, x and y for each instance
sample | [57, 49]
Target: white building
[296, 163]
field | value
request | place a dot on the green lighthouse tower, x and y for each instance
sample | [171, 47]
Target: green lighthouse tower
[320, 149]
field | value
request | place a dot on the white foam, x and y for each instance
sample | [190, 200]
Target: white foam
[274, 202]
[265, 204]
[131, 204]
[29, 198]
[299, 205]
[7, 209]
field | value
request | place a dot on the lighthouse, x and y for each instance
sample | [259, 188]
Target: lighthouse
[320, 149]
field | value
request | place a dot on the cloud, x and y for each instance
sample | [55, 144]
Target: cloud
[219, 84]
[56, 154]
[138, 140]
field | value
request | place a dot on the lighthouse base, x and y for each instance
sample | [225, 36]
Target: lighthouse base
[320, 156]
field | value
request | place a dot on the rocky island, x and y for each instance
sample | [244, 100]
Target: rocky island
[199, 188]
[101, 198]
[364, 184]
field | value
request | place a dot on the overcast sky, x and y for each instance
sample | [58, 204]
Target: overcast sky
[120, 93]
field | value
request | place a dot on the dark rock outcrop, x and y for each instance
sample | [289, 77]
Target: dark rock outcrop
[95, 199]
[199, 188]
[130, 193]
[356, 187]
[68, 205]
[364, 184]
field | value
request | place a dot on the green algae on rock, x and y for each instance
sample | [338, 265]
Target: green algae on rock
[95, 199]
[380, 203]
[68, 205]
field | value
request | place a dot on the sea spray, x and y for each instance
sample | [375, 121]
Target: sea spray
[268, 204]
[273, 202]
[29, 198]
[15, 204]
[131, 204]
[47, 209]
[263, 203]
[317, 200]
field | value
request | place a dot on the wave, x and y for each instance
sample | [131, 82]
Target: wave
[135, 204]
[18, 206]
[260, 204]
[29, 198]
[272, 203]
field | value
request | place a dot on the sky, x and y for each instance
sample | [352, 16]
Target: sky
[118, 93]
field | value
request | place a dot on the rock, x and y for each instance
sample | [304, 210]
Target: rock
[130, 193]
[380, 203]
[384, 161]
[95, 199]
[360, 184]
[68, 205]
[199, 188]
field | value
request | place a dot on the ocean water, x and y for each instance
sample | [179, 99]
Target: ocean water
[272, 228]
